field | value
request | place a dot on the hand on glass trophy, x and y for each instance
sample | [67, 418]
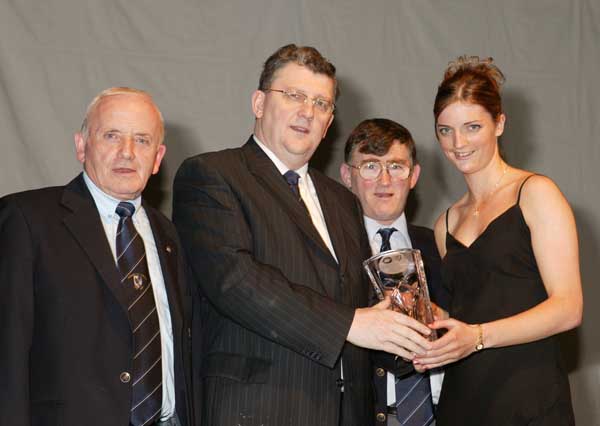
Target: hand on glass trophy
[400, 275]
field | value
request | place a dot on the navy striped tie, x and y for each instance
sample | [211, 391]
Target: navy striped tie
[414, 406]
[146, 381]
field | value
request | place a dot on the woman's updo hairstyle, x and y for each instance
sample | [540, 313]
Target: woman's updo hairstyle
[472, 80]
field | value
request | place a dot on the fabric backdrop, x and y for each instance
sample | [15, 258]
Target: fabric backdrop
[201, 60]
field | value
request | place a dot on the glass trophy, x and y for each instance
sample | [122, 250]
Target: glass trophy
[401, 275]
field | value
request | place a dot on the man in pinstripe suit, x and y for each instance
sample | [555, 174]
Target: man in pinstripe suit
[276, 248]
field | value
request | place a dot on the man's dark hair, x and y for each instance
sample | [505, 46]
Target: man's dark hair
[305, 56]
[376, 136]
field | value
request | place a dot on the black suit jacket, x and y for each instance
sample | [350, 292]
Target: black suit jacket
[64, 329]
[278, 307]
[421, 238]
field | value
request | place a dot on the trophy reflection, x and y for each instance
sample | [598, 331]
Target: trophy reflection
[401, 275]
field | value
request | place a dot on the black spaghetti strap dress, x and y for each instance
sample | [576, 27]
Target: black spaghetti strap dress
[497, 277]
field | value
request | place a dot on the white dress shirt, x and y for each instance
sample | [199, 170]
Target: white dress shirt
[308, 194]
[310, 198]
[399, 240]
[106, 206]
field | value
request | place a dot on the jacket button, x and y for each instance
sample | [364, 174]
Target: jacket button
[125, 377]
[380, 417]
[380, 372]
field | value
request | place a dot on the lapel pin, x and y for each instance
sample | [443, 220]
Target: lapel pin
[169, 249]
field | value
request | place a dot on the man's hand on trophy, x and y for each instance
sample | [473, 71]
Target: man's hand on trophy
[380, 328]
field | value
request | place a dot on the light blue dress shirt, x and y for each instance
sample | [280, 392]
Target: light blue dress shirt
[106, 206]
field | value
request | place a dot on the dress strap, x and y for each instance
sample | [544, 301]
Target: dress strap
[447, 212]
[521, 187]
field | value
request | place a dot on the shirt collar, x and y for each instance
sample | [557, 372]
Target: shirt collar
[302, 171]
[372, 226]
[106, 204]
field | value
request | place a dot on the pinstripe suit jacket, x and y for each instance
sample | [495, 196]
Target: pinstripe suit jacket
[277, 306]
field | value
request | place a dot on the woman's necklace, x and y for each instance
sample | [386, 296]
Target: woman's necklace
[484, 200]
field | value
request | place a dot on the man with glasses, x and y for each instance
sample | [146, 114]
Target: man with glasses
[381, 168]
[277, 249]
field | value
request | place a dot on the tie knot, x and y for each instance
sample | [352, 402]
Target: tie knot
[291, 177]
[385, 238]
[125, 209]
[386, 233]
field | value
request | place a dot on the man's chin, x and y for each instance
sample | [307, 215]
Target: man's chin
[127, 193]
[387, 217]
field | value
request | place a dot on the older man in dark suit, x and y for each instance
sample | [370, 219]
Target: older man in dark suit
[381, 168]
[277, 248]
[95, 306]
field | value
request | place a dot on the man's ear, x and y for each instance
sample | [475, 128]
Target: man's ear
[345, 173]
[258, 103]
[327, 128]
[80, 147]
[414, 177]
[160, 154]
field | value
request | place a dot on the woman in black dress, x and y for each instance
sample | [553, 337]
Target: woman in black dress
[511, 264]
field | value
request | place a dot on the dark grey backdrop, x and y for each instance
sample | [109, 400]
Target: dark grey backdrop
[201, 61]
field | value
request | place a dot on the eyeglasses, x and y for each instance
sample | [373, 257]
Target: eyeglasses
[293, 96]
[371, 170]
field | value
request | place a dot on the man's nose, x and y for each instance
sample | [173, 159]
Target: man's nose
[127, 147]
[384, 177]
[307, 109]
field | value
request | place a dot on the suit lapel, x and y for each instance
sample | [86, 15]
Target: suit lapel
[261, 166]
[86, 227]
[333, 220]
[414, 237]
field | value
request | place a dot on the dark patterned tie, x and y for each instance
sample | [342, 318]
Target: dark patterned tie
[292, 178]
[386, 233]
[414, 406]
[146, 378]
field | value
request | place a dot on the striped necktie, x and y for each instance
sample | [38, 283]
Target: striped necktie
[414, 406]
[146, 378]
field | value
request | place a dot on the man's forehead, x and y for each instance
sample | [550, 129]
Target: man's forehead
[133, 107]
[302, 77]
[397, 151]
[124, 101]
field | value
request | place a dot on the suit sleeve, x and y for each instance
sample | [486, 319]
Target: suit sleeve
[16, 313]
[219, 241]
